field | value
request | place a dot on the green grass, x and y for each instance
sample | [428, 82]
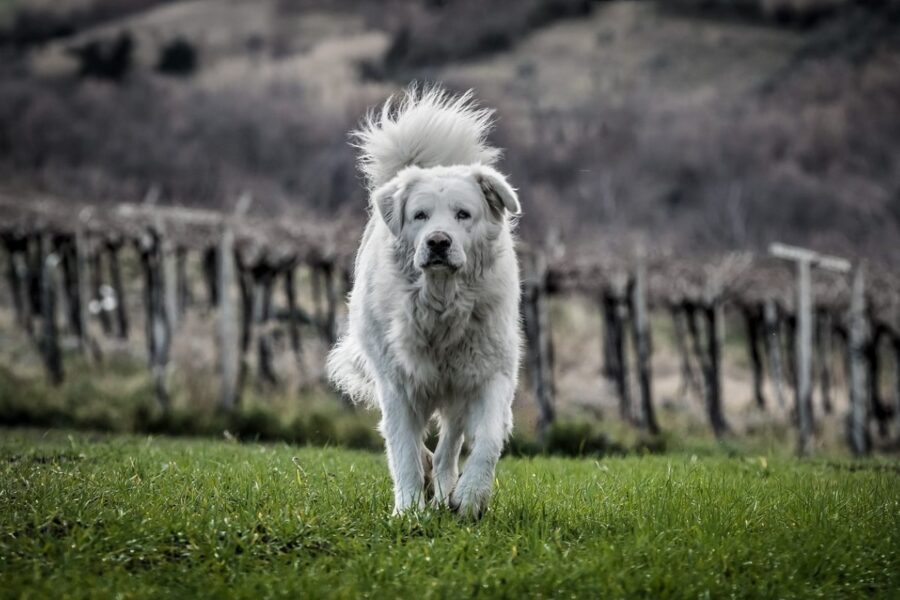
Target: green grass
[104, 516]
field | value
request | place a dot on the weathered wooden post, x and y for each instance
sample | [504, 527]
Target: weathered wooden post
[773, 335]
[315, 282]
[113, 246]
[752, 320]
[98, 302]
[805, 260]
[707, 347]
[81, 270]
[895, 353]
[262, 299]
[158, 326]
[227, 318]
[210, 274]
[615, 313]
[642, 346]
[169, 272]
[330, 303]
[824, 350]
[64, 247]
[183, 287]
[712, 311]
[15, 277]
[539, 345]
[878, 410]
[34, 267]
[688, 375]
[49, 340]
[290, 293]
[859, 331]
[607, 312]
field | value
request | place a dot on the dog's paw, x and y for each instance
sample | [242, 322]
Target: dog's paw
[470, 501]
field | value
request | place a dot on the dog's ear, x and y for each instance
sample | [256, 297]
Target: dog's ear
[390, 199]
[497, 192]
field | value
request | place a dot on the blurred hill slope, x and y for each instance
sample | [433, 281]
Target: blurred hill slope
[696, 125]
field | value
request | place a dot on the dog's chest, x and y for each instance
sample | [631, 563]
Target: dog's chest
[448, 349]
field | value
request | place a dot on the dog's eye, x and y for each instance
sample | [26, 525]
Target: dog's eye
[420, 215]
[462, 215]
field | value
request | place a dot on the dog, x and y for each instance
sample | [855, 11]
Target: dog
[434, 327]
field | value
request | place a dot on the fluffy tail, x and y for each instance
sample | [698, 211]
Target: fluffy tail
[347, 370]
[426, 128]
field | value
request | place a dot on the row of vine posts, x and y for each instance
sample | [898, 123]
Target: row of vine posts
[63, 261]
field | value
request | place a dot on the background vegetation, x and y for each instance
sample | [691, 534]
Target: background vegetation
[698, 124]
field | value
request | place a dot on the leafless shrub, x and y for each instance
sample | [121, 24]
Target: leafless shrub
[36, 21]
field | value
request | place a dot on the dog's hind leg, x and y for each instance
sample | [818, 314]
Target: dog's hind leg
[428, 471]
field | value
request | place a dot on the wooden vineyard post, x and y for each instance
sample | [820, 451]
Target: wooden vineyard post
[688, 375]
[115, 276]
[752, 320]
[537, 332]
[34, 267]
[65, 249]
[315, 280]
[331, 300]
[15, 277]
[895, 353]
[169, 276]
[804, 355]
[228, 336]
[83, 286]
[615, 312]
[262, 300]
[290, 294]
[708, 350]
[713, 316]
[859, 419]
[642, 346]
[805, 260]
[158, 325]
[824, 350]
[49, 338]
[770, 321]
[183, 287]
[210, 274]
[227, 321]
[878, 410]
[98, 300]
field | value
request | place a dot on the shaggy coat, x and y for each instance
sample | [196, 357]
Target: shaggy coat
[434, 312]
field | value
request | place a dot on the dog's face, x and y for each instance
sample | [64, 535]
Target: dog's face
[444, 215]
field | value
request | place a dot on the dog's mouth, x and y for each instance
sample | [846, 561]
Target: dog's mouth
[438, 263]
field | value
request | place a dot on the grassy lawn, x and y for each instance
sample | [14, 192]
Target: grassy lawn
[102, 516]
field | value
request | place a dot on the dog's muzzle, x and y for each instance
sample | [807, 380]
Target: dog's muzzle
[439, 246]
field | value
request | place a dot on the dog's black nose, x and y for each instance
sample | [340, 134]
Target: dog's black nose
[439, 242]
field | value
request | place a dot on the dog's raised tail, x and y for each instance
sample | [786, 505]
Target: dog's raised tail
[426, 127]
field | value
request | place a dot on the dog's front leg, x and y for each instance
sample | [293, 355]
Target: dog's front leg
[403, 430]
[489, 422]
[446, 457]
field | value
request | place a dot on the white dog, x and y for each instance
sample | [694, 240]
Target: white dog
[434, 312]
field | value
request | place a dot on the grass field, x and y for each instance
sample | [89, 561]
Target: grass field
[104, 516]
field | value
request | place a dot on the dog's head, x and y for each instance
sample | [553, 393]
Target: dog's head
[445, 215]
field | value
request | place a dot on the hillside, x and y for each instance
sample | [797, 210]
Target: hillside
[700, 125]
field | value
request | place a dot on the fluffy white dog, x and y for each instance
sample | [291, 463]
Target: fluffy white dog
[434, 312]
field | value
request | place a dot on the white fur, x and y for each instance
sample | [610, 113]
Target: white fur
[435, 332]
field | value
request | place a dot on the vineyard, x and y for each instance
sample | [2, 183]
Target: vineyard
[264, 281]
